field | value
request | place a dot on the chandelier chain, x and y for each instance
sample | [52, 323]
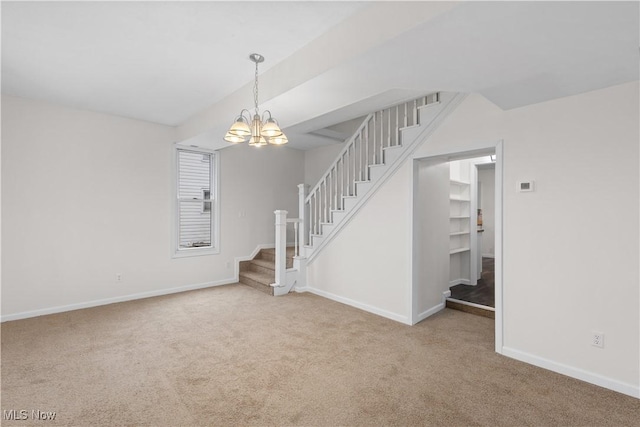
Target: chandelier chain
[255, 90]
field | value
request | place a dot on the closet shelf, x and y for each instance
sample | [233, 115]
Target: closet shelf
[458, 250]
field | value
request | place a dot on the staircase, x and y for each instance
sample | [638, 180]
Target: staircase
[259, 273]
[381, 144]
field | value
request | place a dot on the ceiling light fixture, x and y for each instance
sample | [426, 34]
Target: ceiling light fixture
[260, 130]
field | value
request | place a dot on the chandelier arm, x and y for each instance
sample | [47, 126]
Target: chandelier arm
[264, 115]
[247, 117]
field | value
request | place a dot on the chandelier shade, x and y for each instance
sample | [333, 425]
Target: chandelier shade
[261, 130]
[240, 127]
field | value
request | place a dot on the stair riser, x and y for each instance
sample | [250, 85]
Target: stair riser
[256, 285]
[362, 188]
[376, 172]
[337, 216]
[350, 203]
[259, 268]
[270, 256]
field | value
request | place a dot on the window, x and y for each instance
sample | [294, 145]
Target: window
[196, 210]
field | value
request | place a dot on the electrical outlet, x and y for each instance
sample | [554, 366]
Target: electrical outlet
[597, 339]
[118, 277]
[228, 264]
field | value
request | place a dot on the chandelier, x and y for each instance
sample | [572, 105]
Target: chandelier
[262, 129]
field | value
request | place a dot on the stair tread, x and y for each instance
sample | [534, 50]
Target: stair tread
[263, 278]
[264, 263]
[290, 249]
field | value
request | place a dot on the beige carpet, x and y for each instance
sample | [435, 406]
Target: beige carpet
[234, 356]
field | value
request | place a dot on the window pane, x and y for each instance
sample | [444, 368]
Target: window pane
[194, 224]
[194, 175]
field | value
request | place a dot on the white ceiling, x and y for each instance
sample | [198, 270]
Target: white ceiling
[185, 64]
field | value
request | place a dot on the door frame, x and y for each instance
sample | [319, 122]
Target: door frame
[460, 151]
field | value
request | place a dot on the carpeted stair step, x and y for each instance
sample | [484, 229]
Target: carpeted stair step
[270, 255]
[258, 266]
[259, 273]
[259, 281]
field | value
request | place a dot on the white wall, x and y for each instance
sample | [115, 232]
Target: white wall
[571, 248]
[487, 181]
[317, 160]
[87, 195]
[368, 264]
[431, 237]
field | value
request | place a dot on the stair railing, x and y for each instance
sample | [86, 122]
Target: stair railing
[364, 148]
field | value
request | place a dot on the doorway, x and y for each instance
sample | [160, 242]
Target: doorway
[459, 230]
[478, 295]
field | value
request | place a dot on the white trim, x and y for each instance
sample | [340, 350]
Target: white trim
[581, 374]
[488, 255]
[214, 249]
[362, 306]
[498, 240]
[469, 149]
[430, 312]
[460, 282]
[472, 304]
[105, 301]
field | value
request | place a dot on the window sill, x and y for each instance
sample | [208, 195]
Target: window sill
[191, 252]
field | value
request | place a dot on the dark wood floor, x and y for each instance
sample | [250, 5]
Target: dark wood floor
[484, 292]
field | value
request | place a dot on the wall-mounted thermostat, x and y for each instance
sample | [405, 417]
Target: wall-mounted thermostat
[525, 186]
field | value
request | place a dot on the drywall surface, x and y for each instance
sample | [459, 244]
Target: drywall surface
[487, 181]
[368, 263]
[570, 247]
[87, 196]
[431, 237]
[318, 160]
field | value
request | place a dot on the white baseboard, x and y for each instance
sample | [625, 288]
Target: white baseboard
[430, 312]
[459, 282]
[488, 256]
[105, 301]
[570, 371]
[366, 307]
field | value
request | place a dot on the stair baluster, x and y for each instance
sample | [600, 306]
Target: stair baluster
[379, 130]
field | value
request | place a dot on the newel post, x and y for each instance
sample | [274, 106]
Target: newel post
[303, 230]
[281, 247]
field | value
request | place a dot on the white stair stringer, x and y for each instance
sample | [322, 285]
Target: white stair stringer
[431, 117]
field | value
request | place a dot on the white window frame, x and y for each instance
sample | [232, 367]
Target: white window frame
[177, 251]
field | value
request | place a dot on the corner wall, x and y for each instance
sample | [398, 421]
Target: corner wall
[88, 195]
